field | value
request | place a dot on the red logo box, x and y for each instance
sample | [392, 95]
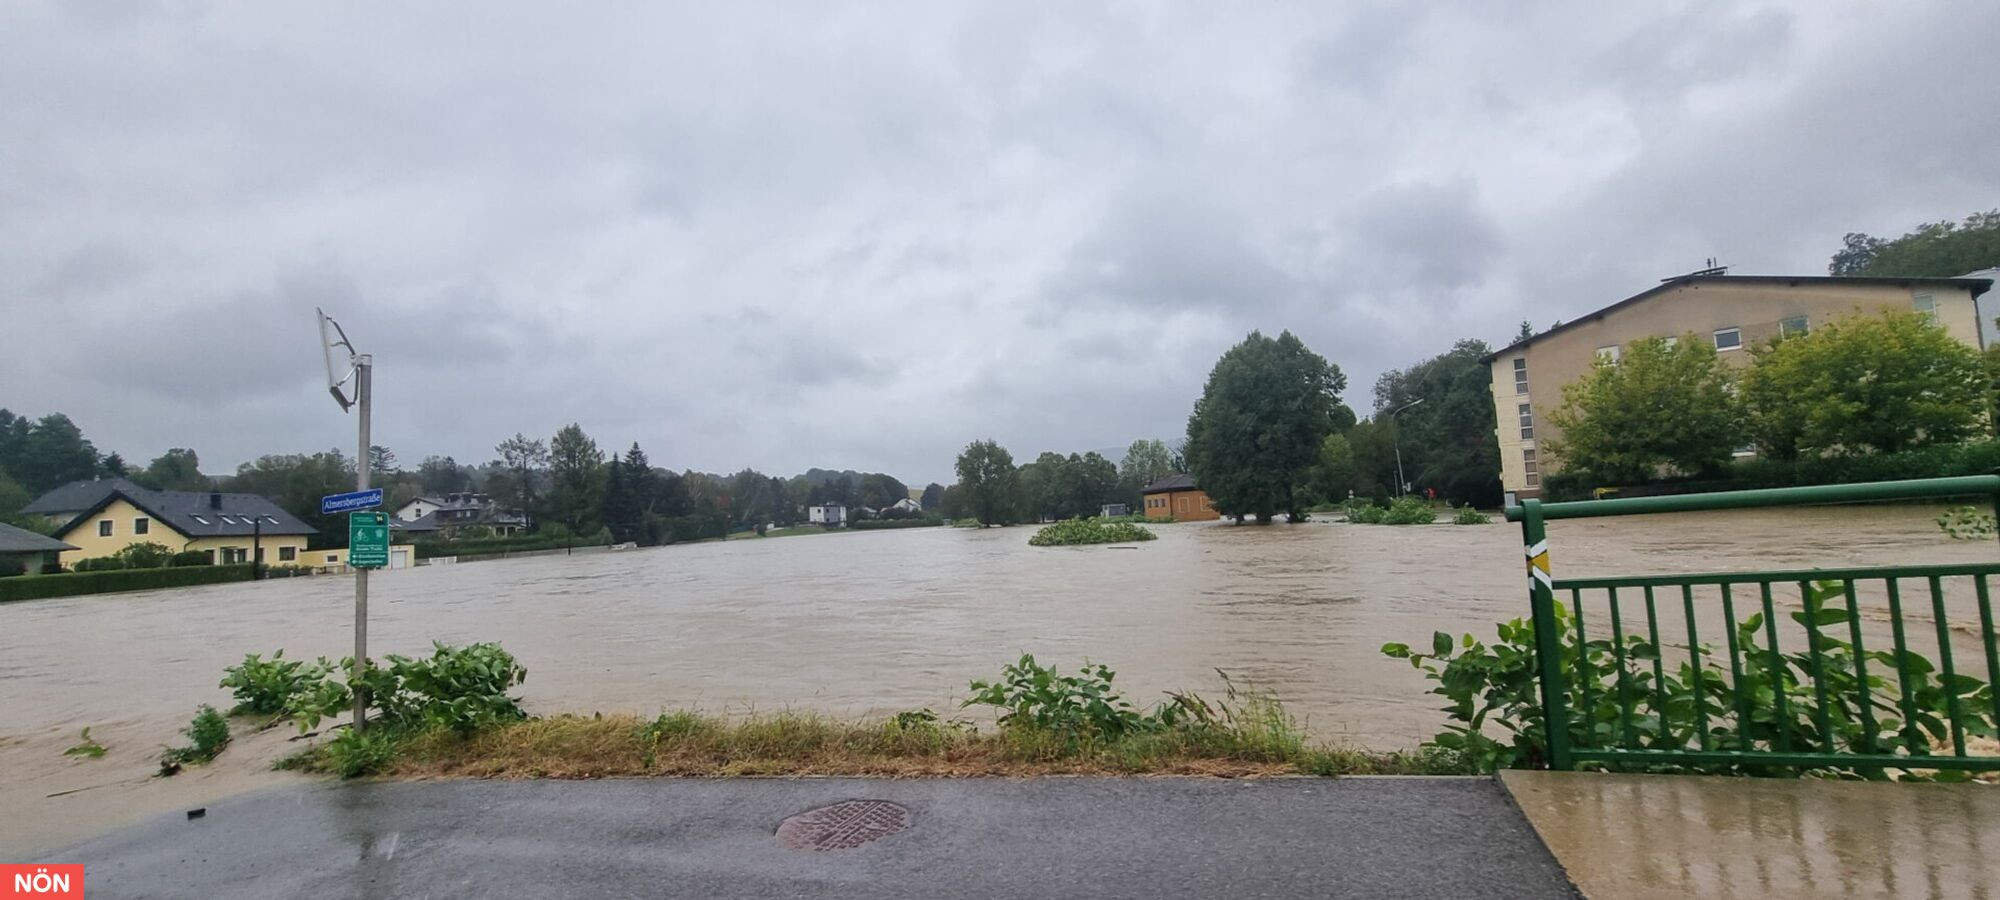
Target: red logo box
[42, 880]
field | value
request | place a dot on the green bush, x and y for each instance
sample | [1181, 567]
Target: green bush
[98, 564]
[879, 524]
[463, 688]
[1408, 510]
[267, 686]
[1497, 688]
[356, 753]
[1981, 457]
[191, 558]
[1074, 709]
[107, 581]
[1469, 516]
[144, 555]
[207, 735]
[1089, 531]
[1967, 523]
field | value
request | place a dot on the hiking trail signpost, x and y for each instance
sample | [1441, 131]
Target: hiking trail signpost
[368, 539]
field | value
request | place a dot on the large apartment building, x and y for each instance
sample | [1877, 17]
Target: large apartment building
[1736, 312]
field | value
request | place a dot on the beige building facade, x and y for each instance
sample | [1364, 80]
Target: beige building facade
[1732, 312]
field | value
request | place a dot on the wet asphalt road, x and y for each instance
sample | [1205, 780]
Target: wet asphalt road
[1048, 837]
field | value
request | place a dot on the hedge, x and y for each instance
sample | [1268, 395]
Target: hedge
[1936, 461]
[873, 524]
[75, 583]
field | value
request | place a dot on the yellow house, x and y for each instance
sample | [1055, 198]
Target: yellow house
[401, 556]
[230, 528]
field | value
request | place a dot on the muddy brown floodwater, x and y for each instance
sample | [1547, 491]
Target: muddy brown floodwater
[870, 622]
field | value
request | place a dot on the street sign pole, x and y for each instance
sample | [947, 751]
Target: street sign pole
[364, 365]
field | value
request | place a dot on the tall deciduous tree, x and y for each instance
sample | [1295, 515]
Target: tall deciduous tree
[1447, 440]
[986, 472]
[1933, 250]
[178, 469]
[442, 475]
[1864, 383]
[1146, 461]
[523, 460]
[1256, 431]
[1662, 405]
[575, 479]
[933, 496]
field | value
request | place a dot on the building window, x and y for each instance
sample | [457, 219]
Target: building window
[1531, 467]
[332, 558]
[142, 525]
[1520, 376]
[103, 527]
[1527, 414]
[1926, 304]
[1728, 338]
[1608, 354]
[1792, 326]
[198, 518]
[287, 554]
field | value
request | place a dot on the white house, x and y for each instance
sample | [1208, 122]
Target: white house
[418, 508]
[907, 505]
[827, 514]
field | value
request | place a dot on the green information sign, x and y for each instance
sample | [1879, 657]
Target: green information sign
[368, 539]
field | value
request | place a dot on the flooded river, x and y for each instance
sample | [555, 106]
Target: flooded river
[866, 623]
[870, 622]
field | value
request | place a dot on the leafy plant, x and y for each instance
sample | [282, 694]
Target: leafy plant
[1466, 515]
[207, 735]
[462, 688]
[356, 753]
[144, 555]
[1406, 510]
[87, 748]
[1090, 531]
[1615, 698]
[268, 686]
[1967, 523]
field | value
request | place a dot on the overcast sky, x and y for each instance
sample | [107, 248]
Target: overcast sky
[860, 236]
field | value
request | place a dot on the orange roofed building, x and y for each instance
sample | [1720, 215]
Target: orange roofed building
[1177, 496]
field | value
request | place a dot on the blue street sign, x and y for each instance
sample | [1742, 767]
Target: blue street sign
[350, 501]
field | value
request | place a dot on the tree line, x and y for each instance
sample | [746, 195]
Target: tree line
[994, 491]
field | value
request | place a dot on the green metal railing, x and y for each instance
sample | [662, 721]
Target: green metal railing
[1628, 700]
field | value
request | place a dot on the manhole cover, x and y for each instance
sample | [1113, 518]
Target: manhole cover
[843, 826]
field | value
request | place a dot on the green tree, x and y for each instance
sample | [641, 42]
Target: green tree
[442, 475]
[1333, 473]
[1256, 431]
[1092, 481]
[1865, 383]
[296, 482]
[1039, 487]
[1146, 461]
[933, 496]
[46, 454]
[524, 461]
[1448, 439]
[576, 473]
[879, 491]
[178, 469]
[382, 461]
[1933, 250]
[1661, 405]
[986, 472]
[113, 466]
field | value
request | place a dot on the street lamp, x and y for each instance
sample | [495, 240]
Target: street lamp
[1396, 434]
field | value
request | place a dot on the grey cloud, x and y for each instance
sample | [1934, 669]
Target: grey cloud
[857, 236]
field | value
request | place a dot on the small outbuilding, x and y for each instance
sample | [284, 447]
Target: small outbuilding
[25, 552]
[1178, 496]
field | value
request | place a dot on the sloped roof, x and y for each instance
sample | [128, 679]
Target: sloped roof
[196, 514]
[21, 540]
[1976, 286]
[77, 496]
[1181, 482]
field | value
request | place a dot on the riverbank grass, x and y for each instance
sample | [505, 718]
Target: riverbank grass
[693, 744]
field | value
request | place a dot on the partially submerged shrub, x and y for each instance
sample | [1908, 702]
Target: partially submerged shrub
[1089, 531]
[356, 753]
[462, 688]
[207, 735]
[268, 685]
[1466, 515]
[1967, 523]
[1406, 510]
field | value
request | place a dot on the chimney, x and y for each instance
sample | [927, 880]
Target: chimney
[214, 499]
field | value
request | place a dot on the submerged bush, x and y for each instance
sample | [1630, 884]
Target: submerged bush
[1468, 516]
[1967, 523]
[1089, 531]
[357, 753]
[267, 686]
[1406, 510]
[207, 735]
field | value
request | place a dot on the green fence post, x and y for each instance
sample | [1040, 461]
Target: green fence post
[1548, 642]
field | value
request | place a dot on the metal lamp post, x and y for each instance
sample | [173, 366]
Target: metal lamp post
[1396, 435]
[360, 369]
